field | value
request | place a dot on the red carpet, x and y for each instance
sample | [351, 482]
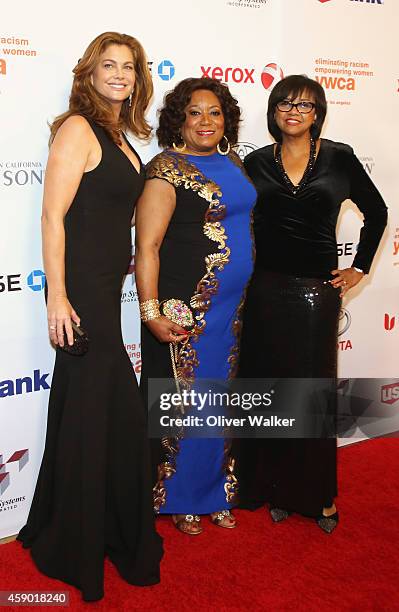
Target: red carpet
[266, 566]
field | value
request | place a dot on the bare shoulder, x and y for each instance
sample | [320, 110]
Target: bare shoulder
[76, 129]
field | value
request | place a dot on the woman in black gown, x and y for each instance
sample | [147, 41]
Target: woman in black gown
[291, 315]
[93, 494]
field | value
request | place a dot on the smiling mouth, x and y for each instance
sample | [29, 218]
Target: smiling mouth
[293, 121]
[205, 133]
[117, 86]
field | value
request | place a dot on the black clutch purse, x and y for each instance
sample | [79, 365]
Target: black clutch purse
[80, 344]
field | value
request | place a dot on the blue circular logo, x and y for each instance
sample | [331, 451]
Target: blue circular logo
[36, 280]
[166, 70]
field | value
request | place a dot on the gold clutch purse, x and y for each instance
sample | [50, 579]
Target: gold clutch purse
[181, 314]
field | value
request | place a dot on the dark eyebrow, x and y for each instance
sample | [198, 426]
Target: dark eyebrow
[197, 105]
[113, 61]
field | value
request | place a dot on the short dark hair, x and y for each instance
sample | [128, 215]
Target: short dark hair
[293, 86]
[172, 115]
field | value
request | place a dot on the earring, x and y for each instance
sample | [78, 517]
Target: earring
[180, 149]
[227, 151]
[130, 99]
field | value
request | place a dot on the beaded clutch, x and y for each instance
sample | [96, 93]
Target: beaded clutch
[80, 344]
[178, 312]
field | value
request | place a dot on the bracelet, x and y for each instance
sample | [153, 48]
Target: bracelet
[358, 270]
[149, 310]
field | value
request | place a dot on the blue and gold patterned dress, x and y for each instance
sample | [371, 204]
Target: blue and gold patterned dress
[206, 260]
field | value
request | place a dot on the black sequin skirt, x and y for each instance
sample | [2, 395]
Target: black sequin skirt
[290, 330]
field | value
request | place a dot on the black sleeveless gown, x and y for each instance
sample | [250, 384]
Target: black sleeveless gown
[93, 495]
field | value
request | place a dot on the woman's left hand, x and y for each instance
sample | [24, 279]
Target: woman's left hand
[346, 279]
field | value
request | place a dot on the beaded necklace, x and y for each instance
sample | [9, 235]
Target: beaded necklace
[308, 170]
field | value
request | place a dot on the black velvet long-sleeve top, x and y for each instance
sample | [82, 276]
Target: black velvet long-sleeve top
[296, 234]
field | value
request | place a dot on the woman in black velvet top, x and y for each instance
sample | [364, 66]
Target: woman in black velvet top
[290, 322]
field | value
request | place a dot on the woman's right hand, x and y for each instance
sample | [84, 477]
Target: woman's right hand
[59, 315]
[165, 330]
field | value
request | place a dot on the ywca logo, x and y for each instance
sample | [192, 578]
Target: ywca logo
[389, 322]
[244, 148]
[3, 66]
[166, 70]
[271, 74]
[396, 243]
[390, 393]
[19, 458]
[322, 1]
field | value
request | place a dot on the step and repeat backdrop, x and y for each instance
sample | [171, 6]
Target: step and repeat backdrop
[349, 46]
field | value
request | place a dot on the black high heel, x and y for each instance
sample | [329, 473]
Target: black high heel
[279, 514]
[327, 523]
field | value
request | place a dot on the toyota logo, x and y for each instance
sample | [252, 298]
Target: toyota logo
[344, 321]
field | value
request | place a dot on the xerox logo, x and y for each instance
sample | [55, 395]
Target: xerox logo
[166, 70]
[19, 458]
[25, 384]
[238, 75]
[271, 74]
[390, 321]
[244, 148]
[390, 393]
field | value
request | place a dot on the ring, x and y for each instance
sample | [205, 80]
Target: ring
[52, 327]
[345, 283]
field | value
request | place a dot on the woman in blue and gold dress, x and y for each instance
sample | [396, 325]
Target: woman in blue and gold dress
[194, 244]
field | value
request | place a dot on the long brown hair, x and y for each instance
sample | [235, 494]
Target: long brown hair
[86, 101]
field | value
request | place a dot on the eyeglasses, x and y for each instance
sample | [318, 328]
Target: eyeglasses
[302, 107]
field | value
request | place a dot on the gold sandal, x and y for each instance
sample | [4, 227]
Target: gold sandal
[218, 519]
[188, 519]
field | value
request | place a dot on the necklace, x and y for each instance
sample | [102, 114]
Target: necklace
[308, 170]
